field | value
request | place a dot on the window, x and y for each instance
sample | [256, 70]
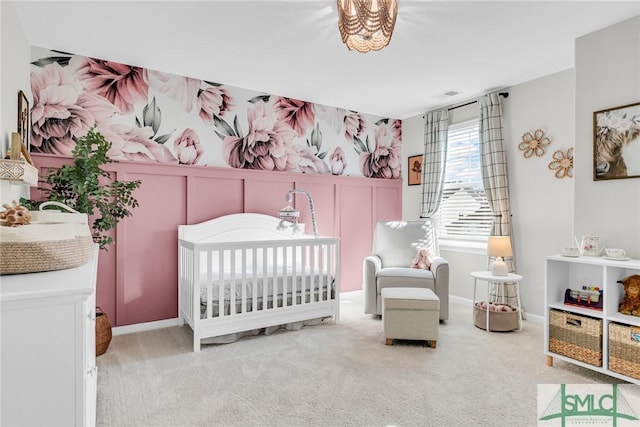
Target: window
[464, 212]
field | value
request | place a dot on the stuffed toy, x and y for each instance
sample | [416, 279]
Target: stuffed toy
[631, 301]
[422, 260]
[15, 215]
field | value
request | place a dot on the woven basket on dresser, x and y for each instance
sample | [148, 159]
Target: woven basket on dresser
[576, 336]
[624, 349]
[103, 332]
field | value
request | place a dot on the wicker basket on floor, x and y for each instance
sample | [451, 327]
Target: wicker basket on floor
[103, 332]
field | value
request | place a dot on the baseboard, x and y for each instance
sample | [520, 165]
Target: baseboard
[533, 318]
[147, 326]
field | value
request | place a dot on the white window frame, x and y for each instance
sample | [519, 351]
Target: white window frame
[472, 244]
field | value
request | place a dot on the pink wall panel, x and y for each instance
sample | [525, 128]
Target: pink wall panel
[355, 233]
[106, 297]
[388, 203]
[210, 197]
[323, 195]
[148, 250]
[266, 195]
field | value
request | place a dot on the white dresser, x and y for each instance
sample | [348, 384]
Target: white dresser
[47, 348]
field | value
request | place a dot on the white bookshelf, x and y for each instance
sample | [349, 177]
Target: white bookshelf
[573, 272]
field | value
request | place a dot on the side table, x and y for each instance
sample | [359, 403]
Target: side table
[510, 279]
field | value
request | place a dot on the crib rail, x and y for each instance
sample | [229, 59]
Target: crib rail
[235, 286]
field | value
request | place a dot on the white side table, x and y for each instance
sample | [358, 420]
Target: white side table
[510, 278]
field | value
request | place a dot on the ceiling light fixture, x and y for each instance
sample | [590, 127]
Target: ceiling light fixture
[366, 24]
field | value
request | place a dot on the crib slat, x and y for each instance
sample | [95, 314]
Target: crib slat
[265, 275]
[232, 282]
[243, 284]
[274, 284]
[254, 280]
[221, 268]
[208, 282]
[294, 275]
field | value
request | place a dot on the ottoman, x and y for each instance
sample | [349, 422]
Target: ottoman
[410, 314]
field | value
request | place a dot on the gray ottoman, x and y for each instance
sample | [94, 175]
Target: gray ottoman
[410, 314]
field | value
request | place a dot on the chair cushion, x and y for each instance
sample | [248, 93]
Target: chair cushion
[410, 299]
[398, 277]
[396, 242]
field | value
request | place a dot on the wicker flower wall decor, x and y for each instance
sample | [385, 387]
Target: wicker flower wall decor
[562, 163]
[534, 143]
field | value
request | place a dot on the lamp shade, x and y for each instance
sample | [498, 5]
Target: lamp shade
[499, 246]
[366, 25]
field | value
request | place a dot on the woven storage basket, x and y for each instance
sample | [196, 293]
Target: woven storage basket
[576, 336]
[624, 349]
[53, 241]
[499, 321]
[103, 332]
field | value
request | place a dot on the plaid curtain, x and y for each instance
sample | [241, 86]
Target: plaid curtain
[494, 169]
[433, 166]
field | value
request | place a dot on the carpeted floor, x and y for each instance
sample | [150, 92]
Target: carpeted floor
[331, 375]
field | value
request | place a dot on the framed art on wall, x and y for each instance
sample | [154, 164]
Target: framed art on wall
[23, 119]
[414, 171]
[616, 143]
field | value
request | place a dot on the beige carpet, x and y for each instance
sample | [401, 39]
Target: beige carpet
[331, 375]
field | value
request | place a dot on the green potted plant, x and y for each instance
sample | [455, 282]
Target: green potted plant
[87, 188]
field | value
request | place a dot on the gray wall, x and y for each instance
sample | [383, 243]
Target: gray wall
[607, 75]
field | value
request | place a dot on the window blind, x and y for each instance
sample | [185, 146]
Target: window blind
[464, 212]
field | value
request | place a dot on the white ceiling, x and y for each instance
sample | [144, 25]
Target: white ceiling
[293, 48]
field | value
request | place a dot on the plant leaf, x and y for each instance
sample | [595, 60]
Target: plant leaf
[212, 83]
[152, 116]
[358, 145]
[223, 126]
[221, 136]
[43, 62]
[164, 138]
[322, 155]
[316, 137]
[236, 126]
[263, 98]
[379, 122]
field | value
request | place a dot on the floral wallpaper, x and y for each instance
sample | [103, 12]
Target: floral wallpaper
[152, 116]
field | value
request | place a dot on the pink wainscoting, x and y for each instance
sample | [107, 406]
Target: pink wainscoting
[137, 277]
[355, 214]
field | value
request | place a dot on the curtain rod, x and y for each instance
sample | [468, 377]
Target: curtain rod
[502, 94]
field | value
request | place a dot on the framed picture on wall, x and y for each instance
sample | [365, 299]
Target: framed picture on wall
[414, 171]
[616, 143]
[23, 119]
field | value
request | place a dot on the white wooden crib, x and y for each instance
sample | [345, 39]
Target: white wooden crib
[239, 273]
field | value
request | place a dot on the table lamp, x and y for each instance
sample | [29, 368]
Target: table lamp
[499, 247]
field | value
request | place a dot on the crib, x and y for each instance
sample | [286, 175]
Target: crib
[240, 273]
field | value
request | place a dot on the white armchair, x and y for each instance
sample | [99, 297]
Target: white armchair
[395, 244]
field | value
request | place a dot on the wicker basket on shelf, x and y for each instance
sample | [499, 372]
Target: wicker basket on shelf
[576, 336]
[624, 349]
[103, 332]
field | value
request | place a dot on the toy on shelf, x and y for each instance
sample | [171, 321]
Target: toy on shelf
[630, 303]
[587, 297]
